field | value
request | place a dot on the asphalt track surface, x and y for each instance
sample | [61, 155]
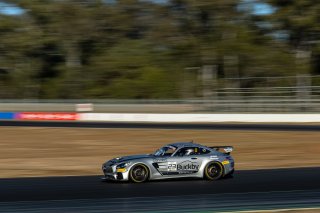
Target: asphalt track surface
[247, 190]
[267, 189]
[199, 126]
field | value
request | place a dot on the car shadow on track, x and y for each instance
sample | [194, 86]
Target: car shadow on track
[169, 180]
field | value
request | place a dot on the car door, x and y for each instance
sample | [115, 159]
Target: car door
[164, 164]
[184, 162]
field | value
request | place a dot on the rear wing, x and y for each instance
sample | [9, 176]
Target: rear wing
[226, 149]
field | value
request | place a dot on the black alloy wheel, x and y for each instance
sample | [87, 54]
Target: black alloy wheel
[213, 171]
[139, 173]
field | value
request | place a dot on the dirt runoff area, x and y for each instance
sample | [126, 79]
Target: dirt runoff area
[42, 151]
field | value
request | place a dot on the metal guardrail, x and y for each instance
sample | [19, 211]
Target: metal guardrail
[273, 104]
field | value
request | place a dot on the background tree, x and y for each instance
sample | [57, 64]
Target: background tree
[142, 49]
[298, 22]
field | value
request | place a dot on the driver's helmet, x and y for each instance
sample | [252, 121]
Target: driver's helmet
[189, 151]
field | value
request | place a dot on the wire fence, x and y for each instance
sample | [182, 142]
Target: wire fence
[251, 94]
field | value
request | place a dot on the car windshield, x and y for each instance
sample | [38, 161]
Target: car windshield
[165, 151]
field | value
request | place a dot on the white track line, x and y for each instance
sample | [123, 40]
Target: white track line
[274, 210]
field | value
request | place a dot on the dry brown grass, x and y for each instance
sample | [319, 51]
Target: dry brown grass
[35, 151]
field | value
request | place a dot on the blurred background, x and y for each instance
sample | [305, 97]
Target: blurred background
[194, 61]
[222, 55]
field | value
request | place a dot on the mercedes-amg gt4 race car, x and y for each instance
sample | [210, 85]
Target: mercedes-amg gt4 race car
[176, 160]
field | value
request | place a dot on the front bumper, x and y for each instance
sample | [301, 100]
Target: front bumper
[111, 173]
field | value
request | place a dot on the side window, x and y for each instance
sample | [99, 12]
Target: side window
[186, 151]
[169, 151]
[202, 151]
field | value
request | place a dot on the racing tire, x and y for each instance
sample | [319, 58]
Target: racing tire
[213, 171]
[139, 173]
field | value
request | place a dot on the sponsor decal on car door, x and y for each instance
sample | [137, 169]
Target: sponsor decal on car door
[181, 165]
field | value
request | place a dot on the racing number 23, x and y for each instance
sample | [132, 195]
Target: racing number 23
[172, 166]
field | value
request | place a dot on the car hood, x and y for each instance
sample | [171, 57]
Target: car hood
[129, 158]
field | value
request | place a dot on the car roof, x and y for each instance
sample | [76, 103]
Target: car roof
[185, 144]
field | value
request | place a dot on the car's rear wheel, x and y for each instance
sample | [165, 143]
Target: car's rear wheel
[213, 171]
[139, 173]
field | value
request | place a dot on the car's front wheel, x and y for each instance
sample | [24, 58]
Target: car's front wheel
[139, 173]
[213, 171]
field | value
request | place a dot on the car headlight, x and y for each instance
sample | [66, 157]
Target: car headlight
[123, 165]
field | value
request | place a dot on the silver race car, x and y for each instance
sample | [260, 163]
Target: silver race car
[176, 160]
